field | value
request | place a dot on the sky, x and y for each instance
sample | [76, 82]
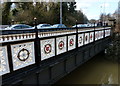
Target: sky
[93, 8]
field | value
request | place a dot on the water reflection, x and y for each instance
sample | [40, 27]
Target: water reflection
[96, 71]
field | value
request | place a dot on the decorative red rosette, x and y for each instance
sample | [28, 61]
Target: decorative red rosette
[47, 48]
[71, 42]
[61, 45]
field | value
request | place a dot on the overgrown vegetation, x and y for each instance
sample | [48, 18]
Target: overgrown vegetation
[113, 52]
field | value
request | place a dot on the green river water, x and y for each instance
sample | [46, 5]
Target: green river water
[98, 70]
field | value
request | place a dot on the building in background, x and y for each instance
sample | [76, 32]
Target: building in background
[117, 29]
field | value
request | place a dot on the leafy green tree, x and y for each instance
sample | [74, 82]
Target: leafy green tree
[72, 7]
[0, 14]
[14, 12]
[6, 13]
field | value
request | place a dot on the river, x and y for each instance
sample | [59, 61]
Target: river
[98, 70]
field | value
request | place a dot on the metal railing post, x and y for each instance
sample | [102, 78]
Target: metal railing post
[37, 44]
[94, 32]
[76, 35]
[36, 31]
[104, 30]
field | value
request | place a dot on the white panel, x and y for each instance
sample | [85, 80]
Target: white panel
[99, 34]
[71, 42]
[109, 32]
[106, 33]
[91, 36]
[47, 48]
[86, 38]
[61, 45]
[80, 39]
[102, 34]
[96, 35]
[22, 55]
[4, 66]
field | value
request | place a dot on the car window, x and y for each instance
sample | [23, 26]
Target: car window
[47, 25]
[43, 26]
[55, 26]
[39, 25]
[63, 26]
[17, 27]
[59, 26]
[25, 26]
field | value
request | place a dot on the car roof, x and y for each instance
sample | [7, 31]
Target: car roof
[12, 26]
[43, 24]
[58, 24]
[18, 25]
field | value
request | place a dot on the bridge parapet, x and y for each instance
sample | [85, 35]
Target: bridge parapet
[17, 35]
[20, 51]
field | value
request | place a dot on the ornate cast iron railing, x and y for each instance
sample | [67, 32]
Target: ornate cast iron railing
[20, 48]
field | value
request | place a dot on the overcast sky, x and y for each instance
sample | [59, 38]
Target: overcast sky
[93, 8]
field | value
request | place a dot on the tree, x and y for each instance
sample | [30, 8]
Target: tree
[102, 17]
[1, 13]
[92, 21]
[6, 12]
[72, 6]
[46, 12]
[117, 15]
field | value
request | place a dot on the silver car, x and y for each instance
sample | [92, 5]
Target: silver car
[58, 26]
[18, 26]
[43, 26]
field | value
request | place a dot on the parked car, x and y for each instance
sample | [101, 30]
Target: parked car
[92, 25]
[58, 26]
[18, 26]
[82, 25]
[2, 27]
[43, 26]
